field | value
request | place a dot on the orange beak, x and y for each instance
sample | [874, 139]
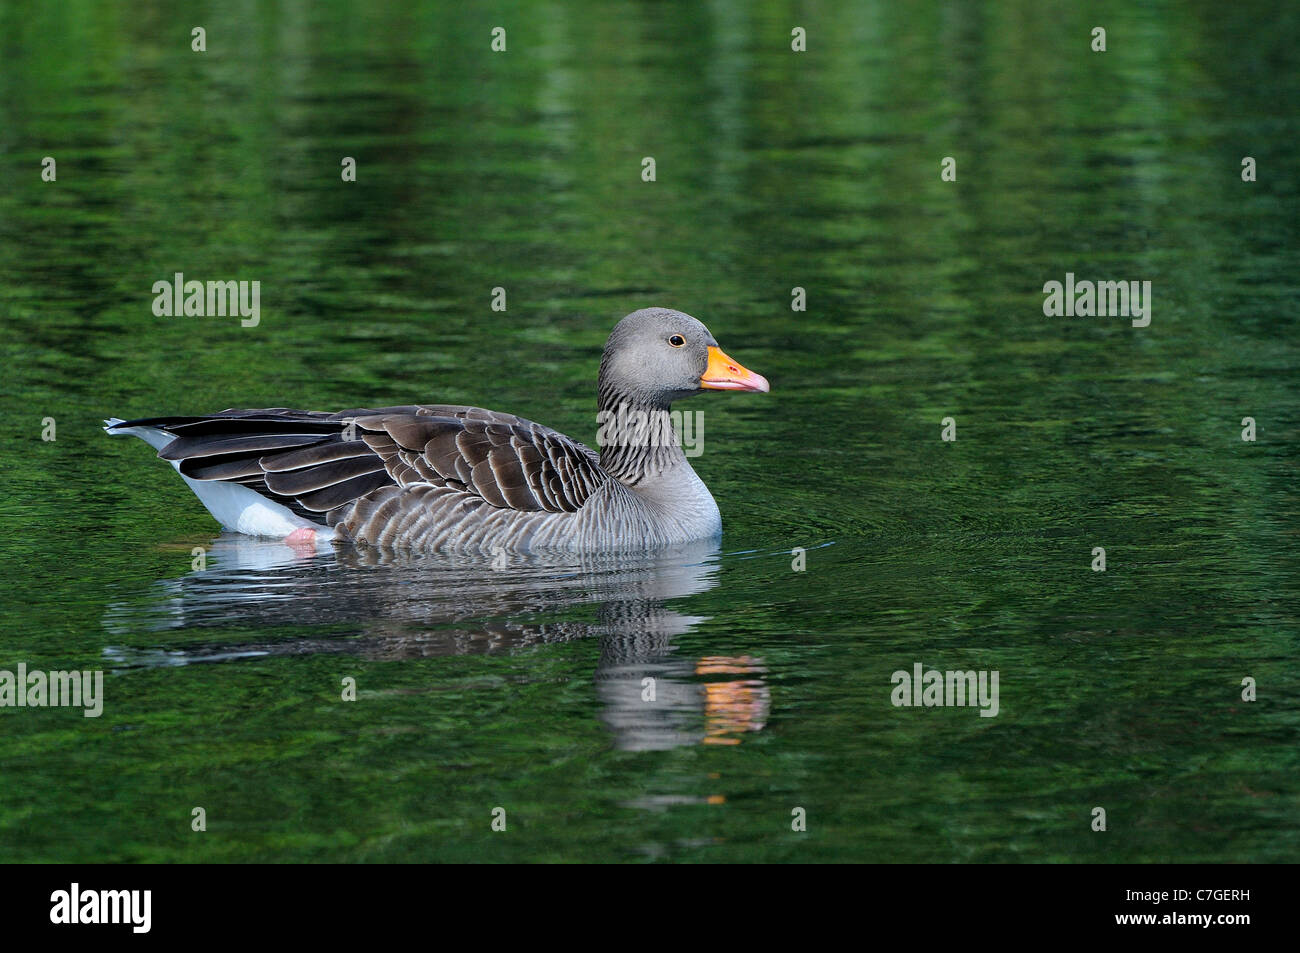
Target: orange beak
[725, 374]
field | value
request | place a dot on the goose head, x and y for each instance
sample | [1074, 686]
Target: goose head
[656, 356]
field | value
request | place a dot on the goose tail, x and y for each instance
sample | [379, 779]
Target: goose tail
[236, 507]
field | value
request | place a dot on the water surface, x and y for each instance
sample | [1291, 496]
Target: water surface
[523, 687]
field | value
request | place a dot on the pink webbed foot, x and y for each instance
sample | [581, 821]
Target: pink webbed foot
[302, 541]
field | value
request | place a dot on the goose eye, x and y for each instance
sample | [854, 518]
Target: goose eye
[677, 340]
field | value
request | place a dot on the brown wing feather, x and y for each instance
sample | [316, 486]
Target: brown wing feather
[509, 462]
[319, 463]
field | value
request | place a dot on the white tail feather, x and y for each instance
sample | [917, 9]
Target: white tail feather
[236, 507]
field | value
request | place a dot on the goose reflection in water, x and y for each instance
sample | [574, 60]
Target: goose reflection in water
[385, 605]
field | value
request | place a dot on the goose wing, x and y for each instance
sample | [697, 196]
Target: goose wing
[509, 462]
[321, 463]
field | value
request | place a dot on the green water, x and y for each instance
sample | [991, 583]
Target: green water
[521, 688]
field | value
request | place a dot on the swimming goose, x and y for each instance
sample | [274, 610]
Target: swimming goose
[456, 478]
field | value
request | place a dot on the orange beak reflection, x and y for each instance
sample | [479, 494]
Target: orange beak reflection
[725, 374]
